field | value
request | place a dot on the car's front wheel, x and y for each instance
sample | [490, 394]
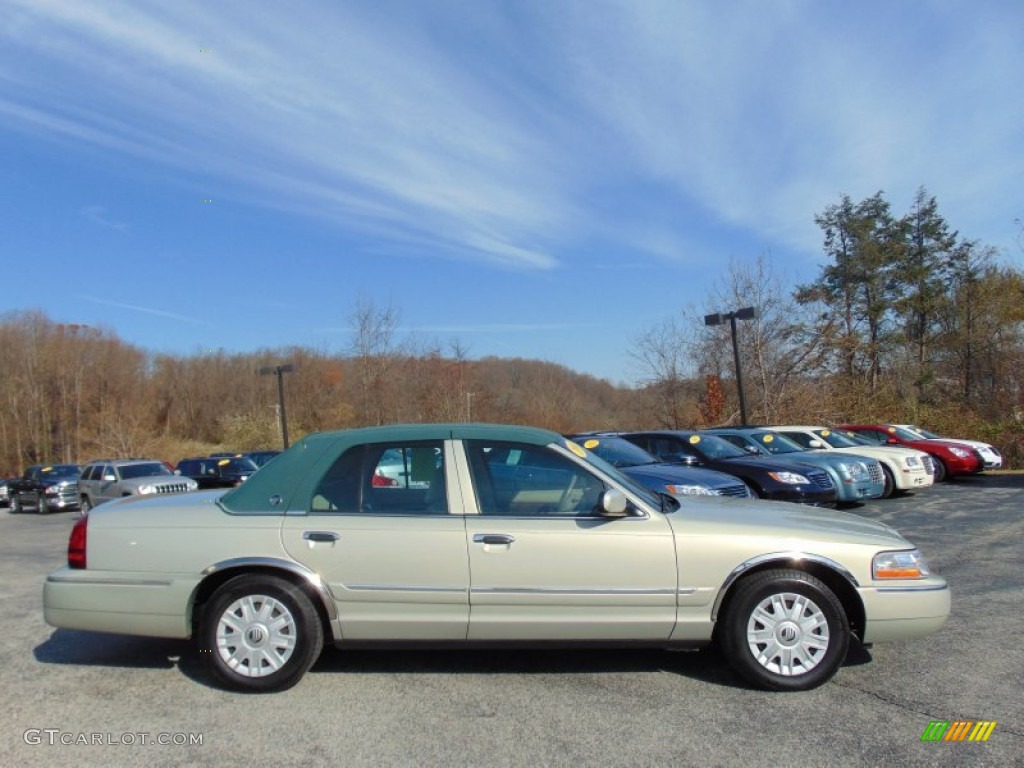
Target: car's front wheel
[15, 505]
[889, 481]
[785, 630]
[260, 634]
[940, 469]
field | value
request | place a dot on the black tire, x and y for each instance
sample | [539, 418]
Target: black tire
[940, 469]
[241, 652]
[820, 645]
[890, 482]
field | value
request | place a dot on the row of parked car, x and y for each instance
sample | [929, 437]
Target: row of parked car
[815, 465]
[57, 487]
[806, 464]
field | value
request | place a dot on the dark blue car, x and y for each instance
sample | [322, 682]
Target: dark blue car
[673, 479]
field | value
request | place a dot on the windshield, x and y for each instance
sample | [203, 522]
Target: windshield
[925, 433]
[240, 466]
[903, 434]
[143, 470]
[775, 444]
[858, 439]
[617, 451]
[604, 466]
[841, 439]
[712, 447]
[60, 472]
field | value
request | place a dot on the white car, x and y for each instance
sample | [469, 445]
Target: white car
[905, 469]
[990, 457]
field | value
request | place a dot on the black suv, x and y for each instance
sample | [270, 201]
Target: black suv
[217, 471]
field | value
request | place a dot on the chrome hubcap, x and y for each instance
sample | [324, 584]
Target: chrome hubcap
[256, 635]
[788, 634]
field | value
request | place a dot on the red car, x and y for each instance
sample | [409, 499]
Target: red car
[949, 457]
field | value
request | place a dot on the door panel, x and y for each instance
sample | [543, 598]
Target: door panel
[393, 557]
[571, 579]
[545, 566]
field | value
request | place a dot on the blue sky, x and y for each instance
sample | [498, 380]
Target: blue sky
[537, 178]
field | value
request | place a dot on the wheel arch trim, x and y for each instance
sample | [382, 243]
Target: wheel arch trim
[309, 578]
[791, 559]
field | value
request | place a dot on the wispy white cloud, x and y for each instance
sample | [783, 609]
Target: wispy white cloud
[98, 215]
[146, 310]
[487, 131]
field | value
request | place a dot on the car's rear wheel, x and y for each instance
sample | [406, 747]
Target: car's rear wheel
[785, 630]
[889, 481]
[260, 634]
[940, 469]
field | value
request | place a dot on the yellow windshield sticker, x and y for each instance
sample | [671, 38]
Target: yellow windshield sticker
[892, 429]
[575, 449]
[222, 462]
[768, 438]
[591, 444]
[47, 469]
[825, 433]
[694, 439]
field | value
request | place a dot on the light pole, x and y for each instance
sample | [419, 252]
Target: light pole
[747, 313]
[279, 371]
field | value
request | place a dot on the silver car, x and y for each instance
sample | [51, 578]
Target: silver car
[502, 535]
[109, 479]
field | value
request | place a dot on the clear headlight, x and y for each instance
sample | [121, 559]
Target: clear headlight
[148, 488]
[51, 490]
[791, 478]
[959, 452]
[913, 461]
[854, 469]
[899, 565]
[690, 490]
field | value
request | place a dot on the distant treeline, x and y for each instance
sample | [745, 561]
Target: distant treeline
[907, 321]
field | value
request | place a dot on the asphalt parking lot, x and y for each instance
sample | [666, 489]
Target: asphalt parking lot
[531, 708]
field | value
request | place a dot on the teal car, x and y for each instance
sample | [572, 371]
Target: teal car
[856, 477]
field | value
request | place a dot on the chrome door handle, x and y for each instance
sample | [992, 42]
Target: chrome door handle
[320, 536]
[493, 538]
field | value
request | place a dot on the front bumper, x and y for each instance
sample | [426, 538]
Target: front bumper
[905, 612]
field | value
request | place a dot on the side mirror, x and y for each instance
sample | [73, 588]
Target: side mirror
[891, 441]
[815, 444]
[613, 503]
[109, 478]
[177, 471]
[752, 449]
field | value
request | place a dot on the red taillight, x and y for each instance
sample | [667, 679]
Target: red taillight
[76, 543]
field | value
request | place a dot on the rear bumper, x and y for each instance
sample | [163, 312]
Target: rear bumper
[155, 605]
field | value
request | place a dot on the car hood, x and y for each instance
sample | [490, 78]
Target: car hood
[975, 444]
[703, 516]
[765, 463]
[677, 474]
